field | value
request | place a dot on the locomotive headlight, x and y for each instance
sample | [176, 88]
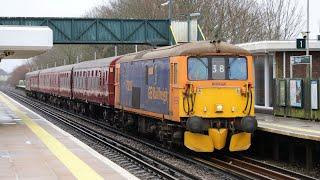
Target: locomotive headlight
[219, 108]
[205, 109]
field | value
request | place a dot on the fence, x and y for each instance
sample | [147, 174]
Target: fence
[297, 98]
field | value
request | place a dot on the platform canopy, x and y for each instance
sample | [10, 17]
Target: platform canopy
[21, 42]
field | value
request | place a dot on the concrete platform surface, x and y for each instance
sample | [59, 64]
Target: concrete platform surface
[299, 128]
[33, 148]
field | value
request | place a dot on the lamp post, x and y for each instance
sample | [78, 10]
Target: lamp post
[307, 43]
[308, 39]
[169, 2]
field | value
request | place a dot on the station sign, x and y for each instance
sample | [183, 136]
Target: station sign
[301, 43]
[306, 59]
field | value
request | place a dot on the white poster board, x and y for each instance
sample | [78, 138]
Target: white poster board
[296, 93]
[282, 95]
[314, 94]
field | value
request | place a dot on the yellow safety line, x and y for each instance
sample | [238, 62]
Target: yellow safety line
[288, 127]
[77, 167]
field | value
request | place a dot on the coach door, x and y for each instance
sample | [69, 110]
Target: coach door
[174, 89]
[117, 85]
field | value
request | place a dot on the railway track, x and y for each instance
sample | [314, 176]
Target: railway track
[239, 166]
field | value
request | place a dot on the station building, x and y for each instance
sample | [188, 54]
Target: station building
[272, 60]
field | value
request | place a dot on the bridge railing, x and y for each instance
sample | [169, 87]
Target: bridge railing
[100, 31]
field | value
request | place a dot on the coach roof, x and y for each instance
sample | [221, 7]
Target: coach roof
[95, 63]
[33, 73]
[57, 69]
[201, 48]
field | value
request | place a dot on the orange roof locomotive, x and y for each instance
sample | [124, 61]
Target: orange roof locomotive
[198, 94]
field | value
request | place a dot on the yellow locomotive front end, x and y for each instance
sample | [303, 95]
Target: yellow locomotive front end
[213, 96]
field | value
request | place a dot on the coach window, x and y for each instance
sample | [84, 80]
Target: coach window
[84, 76]
[74, 79]
[88, 76]
[91, 75]
[67, 83]
[95, 84]
[83, 80]
[100, 78]
[96, 80]
[78, 79]
[146, 75]
[106, 78]
[103, 78]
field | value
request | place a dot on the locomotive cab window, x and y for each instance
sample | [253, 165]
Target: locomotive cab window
[217, 68]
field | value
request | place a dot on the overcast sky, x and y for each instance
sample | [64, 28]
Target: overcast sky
[43, 8]
[77, 8]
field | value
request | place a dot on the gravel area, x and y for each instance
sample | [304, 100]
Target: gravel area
[296, 167]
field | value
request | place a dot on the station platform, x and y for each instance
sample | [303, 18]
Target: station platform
[33, 148]
[299, 128]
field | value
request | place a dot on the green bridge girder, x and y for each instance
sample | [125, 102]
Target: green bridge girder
[100, 31]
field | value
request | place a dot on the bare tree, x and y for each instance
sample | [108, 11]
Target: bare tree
[18, 74]
[283, 19]
[236, 21]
